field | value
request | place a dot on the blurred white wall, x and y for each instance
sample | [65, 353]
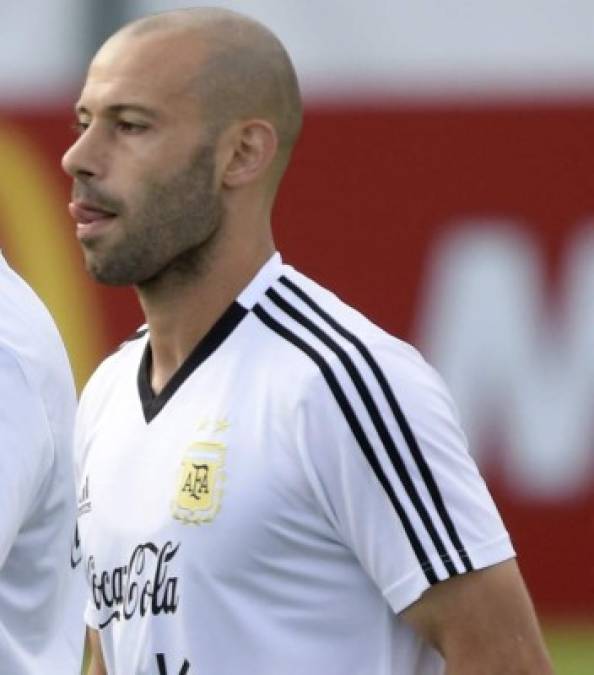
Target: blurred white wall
[41, 48]
[352, 47]
[342, 48]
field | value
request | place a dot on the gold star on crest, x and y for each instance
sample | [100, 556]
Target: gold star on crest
[221, 425]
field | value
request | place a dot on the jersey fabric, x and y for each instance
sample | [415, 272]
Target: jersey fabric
[299, 482]
[41, 624]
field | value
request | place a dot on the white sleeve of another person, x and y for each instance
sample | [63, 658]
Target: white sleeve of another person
[26, 450]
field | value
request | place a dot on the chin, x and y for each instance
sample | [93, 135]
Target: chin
[107, 276]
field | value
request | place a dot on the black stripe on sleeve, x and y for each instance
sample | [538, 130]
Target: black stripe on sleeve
[401, 420]
[378, 422]
[358, 433]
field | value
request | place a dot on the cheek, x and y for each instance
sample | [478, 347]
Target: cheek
[135, 188]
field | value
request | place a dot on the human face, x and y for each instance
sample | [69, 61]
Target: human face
[143, 194]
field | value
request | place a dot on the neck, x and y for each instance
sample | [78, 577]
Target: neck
[181, 310]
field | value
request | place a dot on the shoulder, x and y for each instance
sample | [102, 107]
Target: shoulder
[113, 378]
[336, 364]
[29, 335]
[338, 340]
[121, 363]
[25, 324]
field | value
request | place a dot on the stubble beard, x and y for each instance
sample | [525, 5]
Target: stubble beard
[170, 238]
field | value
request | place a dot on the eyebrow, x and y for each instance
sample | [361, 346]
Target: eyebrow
[120, 108]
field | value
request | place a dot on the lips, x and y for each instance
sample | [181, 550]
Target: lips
[86, 214]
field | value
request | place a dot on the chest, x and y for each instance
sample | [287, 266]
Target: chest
[214, 479]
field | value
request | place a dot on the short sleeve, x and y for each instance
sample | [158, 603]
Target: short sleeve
[26, 449]
[383, 449]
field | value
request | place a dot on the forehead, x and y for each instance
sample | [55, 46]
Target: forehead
[149, 69]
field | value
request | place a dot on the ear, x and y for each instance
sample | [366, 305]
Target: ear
[252, 148]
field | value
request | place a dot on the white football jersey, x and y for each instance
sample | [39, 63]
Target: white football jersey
[41, 601]
[299, 482]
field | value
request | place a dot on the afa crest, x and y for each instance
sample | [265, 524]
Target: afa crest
[200, 483]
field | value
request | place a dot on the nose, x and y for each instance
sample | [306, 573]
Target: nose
[85, 158]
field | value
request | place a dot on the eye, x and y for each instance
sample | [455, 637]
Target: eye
[79, 127]
[128, 127]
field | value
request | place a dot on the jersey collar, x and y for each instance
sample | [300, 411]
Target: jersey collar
[152, 404]
[266, 276]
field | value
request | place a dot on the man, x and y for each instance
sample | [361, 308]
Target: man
[40, 605]
[273, 484]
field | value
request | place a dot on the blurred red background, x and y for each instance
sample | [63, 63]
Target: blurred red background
[369, 193]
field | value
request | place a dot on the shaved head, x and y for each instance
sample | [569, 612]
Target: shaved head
[244, 71]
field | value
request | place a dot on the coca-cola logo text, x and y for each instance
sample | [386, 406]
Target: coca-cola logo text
[143, 585]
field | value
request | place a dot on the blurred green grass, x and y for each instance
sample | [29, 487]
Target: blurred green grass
[571, 648]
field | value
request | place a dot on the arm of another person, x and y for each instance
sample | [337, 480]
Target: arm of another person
[482, 621]
[96, 664]
[26, 451]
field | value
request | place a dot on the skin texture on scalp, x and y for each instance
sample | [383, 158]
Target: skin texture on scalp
[247, 72]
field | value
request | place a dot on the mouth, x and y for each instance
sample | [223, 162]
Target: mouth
[91, 220]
